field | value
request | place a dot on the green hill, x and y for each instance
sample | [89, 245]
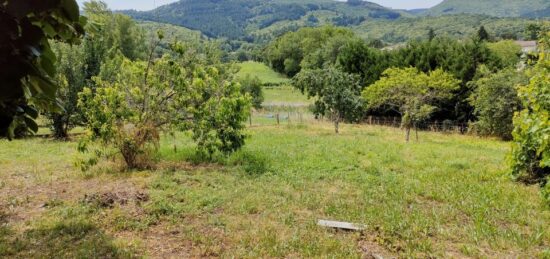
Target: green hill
[454, 26]
[237, 19]
[499, 8]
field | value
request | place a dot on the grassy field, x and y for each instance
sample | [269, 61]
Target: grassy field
[444, 196]
[262, 71]
[282, 95]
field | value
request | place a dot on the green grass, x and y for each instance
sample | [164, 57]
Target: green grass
[282, 95]
[443, 196]
[262, 71]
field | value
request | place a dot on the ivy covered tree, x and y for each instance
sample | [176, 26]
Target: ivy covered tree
[411, 93]
[337, 94]
[530, 158]
[27, 61]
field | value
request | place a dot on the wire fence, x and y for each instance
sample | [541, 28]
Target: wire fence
[289, 117]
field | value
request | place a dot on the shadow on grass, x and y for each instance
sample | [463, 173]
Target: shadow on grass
[72, 239]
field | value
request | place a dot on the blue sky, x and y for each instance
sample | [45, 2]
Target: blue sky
[150, 4]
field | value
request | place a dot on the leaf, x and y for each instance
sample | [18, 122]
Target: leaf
[31, 124]
[71, 9]
[48, 66]
[32, 112]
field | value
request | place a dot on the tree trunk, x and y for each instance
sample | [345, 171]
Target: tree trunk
[59, 127]
[408, 133]
[337, 126]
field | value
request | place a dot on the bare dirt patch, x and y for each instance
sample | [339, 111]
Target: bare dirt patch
[370, 249]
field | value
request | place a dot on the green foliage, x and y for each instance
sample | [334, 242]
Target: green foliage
[411, 93]
[71, 80]
[462, 59]
[304, 48]
[456, 26]
[337, 94]
[28, 63]
[356, 57]
[253, 164]
[243, 19]
[502, 8]
[218, 109]
[508, 51]
[253, 86]
[111, 33]
[530, 158]
[129, 109]
[482, 34]
[495, 100]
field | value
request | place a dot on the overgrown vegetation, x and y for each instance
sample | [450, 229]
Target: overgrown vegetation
[174, 112]
[531, 146]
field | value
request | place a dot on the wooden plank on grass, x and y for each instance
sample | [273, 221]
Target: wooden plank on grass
[341, 225]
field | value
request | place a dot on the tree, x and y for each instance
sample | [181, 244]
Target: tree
[148, 98]
[71, 79]
[411, 93]
[462, 59]
[337, 94]
[27, 62]
[286, 54]
[482, 34]
[356, 57]
[495, 100]
[507, 51]
[530, 159]
[533, 30]
[431, 34]
[253, 86]
[107, 36]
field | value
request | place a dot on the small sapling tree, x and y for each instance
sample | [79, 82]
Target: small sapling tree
[337, 94]
[411, 93]
[70, 78]
[145, 99]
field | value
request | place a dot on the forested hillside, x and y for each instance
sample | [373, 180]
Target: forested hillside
[235, 19]
[499, 8]
[455, 26]
[261, 21]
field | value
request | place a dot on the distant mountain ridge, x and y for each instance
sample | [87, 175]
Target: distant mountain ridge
[238, 19]
[498, 8]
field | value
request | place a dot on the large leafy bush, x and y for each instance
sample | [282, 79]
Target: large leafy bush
[129, 112]
[531, 147]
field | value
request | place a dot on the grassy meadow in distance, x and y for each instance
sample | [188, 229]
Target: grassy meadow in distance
[262, 71]
[277, 95]
[444, 196]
